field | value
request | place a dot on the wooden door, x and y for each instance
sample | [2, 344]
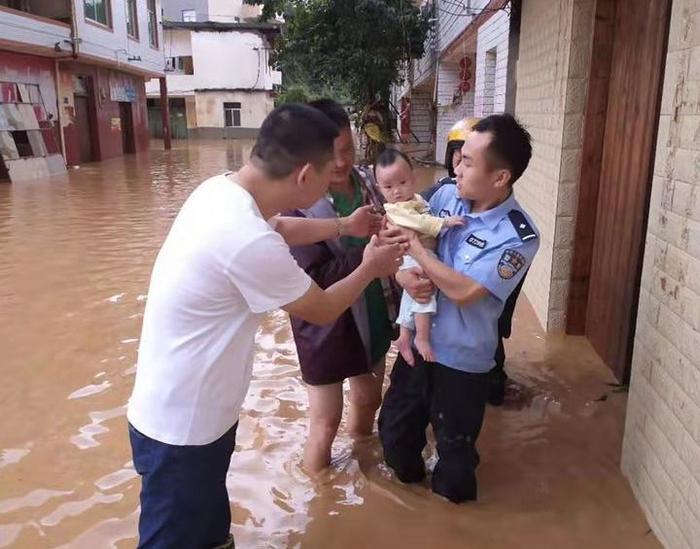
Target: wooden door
[82, 121]
[636, 75]
[127, 124]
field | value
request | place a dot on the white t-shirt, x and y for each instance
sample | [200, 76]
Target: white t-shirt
[221, 267]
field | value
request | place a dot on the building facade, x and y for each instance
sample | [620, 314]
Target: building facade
[80, 66]
[217, 63]
[463, 73]
[610, 91]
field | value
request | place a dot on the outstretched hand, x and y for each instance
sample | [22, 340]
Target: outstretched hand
[382, 259]
[363, 222]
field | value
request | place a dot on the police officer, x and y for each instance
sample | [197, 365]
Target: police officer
[478, 267]
[453, 155]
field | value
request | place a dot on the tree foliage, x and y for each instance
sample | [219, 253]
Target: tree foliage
[353, 48]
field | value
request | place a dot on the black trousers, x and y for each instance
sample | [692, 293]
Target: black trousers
[184, 501]
[453, 402]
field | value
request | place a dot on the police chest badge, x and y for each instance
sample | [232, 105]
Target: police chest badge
[510, 263]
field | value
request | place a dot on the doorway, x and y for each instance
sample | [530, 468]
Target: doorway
[127, 125]
[623, 104]
[85, 118]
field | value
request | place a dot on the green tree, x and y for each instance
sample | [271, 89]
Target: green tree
[354, 49]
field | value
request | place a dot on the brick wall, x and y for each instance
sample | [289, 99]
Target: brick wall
[421, 116]
[555, 44]
[491, 65]
[661, 450]
[449, 112]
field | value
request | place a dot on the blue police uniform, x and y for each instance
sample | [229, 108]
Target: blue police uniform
[429, 192]
[498, 384]
[494, 248]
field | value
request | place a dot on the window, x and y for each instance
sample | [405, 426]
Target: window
[132, 19]
[189, 16]
[180, 65]
[24, 147]
[489, 82]
[232, 115]
[152, 23]
[98, 11]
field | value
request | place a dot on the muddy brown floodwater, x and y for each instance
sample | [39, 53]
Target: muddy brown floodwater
[75, 259]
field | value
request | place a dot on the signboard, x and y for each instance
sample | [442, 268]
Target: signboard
[121, 88]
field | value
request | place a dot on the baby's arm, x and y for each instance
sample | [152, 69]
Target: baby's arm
[453, 221]
[419, 220]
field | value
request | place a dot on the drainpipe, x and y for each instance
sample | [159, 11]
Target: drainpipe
[436, 115]
[59, 110]
[74, 39]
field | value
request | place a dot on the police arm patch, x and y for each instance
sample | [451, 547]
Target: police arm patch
[510, 264]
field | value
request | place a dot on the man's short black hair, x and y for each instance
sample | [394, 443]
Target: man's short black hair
[510, 145]
[388, 157]
[332, 110]
[293, 135]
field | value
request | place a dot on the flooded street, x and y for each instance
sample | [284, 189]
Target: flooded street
[75, 260]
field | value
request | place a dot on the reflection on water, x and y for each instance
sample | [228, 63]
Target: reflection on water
[76, 258]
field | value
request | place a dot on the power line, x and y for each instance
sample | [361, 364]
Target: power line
[467, 11]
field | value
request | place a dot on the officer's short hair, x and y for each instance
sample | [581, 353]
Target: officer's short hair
[388, 157]
[332, 110]
[293, 135]
[510, 145]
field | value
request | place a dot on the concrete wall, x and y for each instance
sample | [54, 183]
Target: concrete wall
[177, 42]
[227, 11]
[113, 45]
[255, 106]
[217, 67]
[555, 45]
[16, 27]
[172, 9]
[661, 452]
[492, 40]
[222, 60]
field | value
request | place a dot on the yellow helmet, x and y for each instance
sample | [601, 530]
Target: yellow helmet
[455, 139]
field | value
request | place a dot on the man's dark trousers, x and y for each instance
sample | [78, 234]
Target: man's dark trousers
[453, 402]
[184, 501]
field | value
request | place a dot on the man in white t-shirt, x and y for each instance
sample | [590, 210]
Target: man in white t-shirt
[224, 264]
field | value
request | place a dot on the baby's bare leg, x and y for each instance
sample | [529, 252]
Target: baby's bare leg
[422, 340]
[403, 344]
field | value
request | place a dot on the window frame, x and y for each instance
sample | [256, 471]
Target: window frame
[153, 39]
[108, 15]
[128, 4]
[233, 110]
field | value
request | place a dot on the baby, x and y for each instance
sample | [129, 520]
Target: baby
[396, 180]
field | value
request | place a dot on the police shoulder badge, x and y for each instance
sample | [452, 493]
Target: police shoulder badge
[510, 263]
